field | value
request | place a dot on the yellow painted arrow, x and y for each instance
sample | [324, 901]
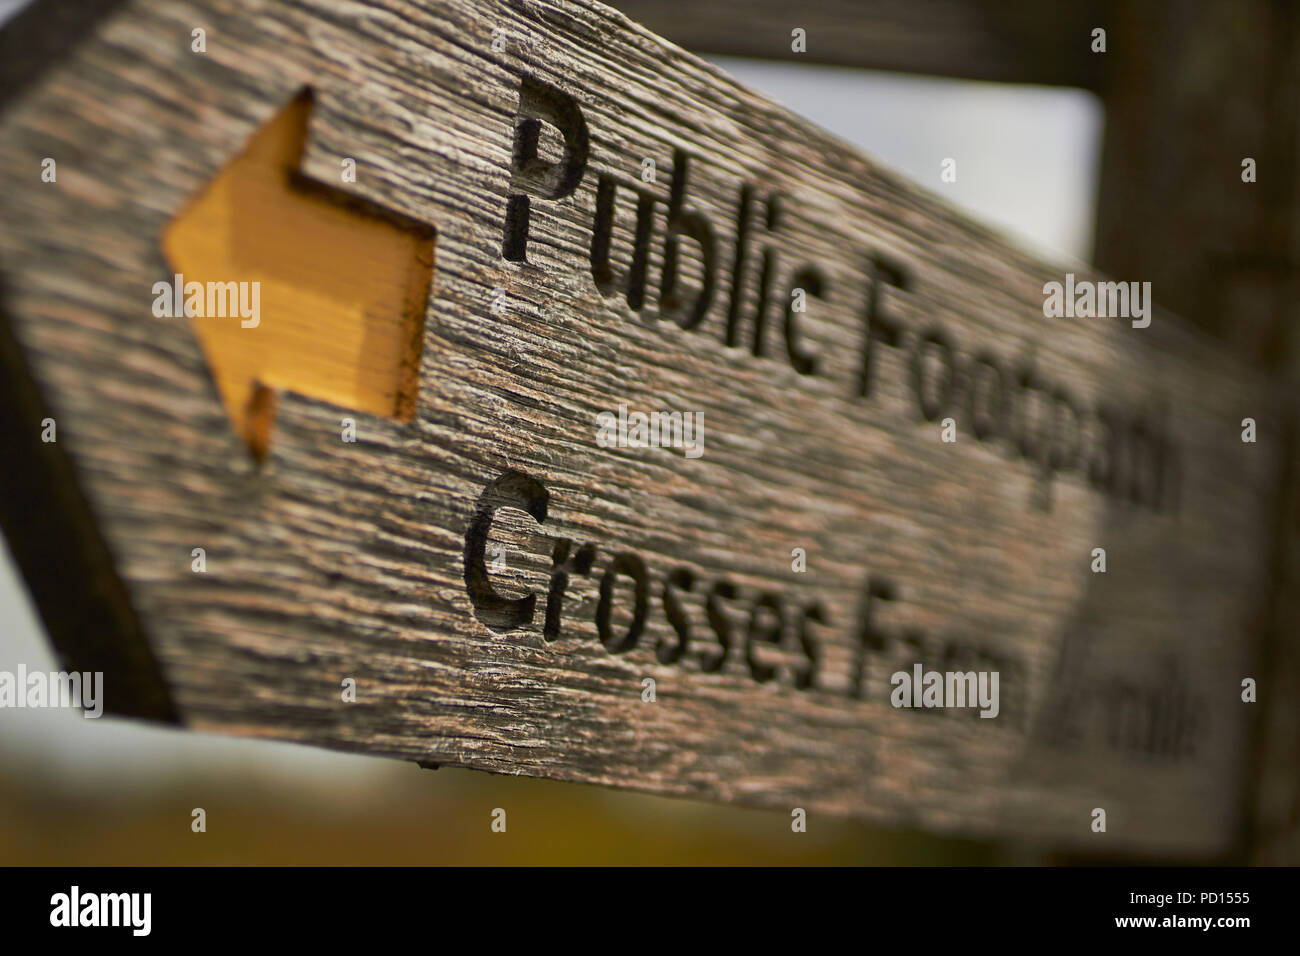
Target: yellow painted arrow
[341, 294]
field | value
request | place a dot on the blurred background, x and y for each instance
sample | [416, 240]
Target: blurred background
[112, 791]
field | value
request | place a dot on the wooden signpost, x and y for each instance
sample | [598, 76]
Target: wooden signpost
[497, 385]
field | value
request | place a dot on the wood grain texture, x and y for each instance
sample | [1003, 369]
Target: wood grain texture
[52, 534]
[335, 559]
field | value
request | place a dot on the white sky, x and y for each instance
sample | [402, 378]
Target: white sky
[1027, 156]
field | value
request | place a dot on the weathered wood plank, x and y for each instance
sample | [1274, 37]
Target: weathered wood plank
[334, 559]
